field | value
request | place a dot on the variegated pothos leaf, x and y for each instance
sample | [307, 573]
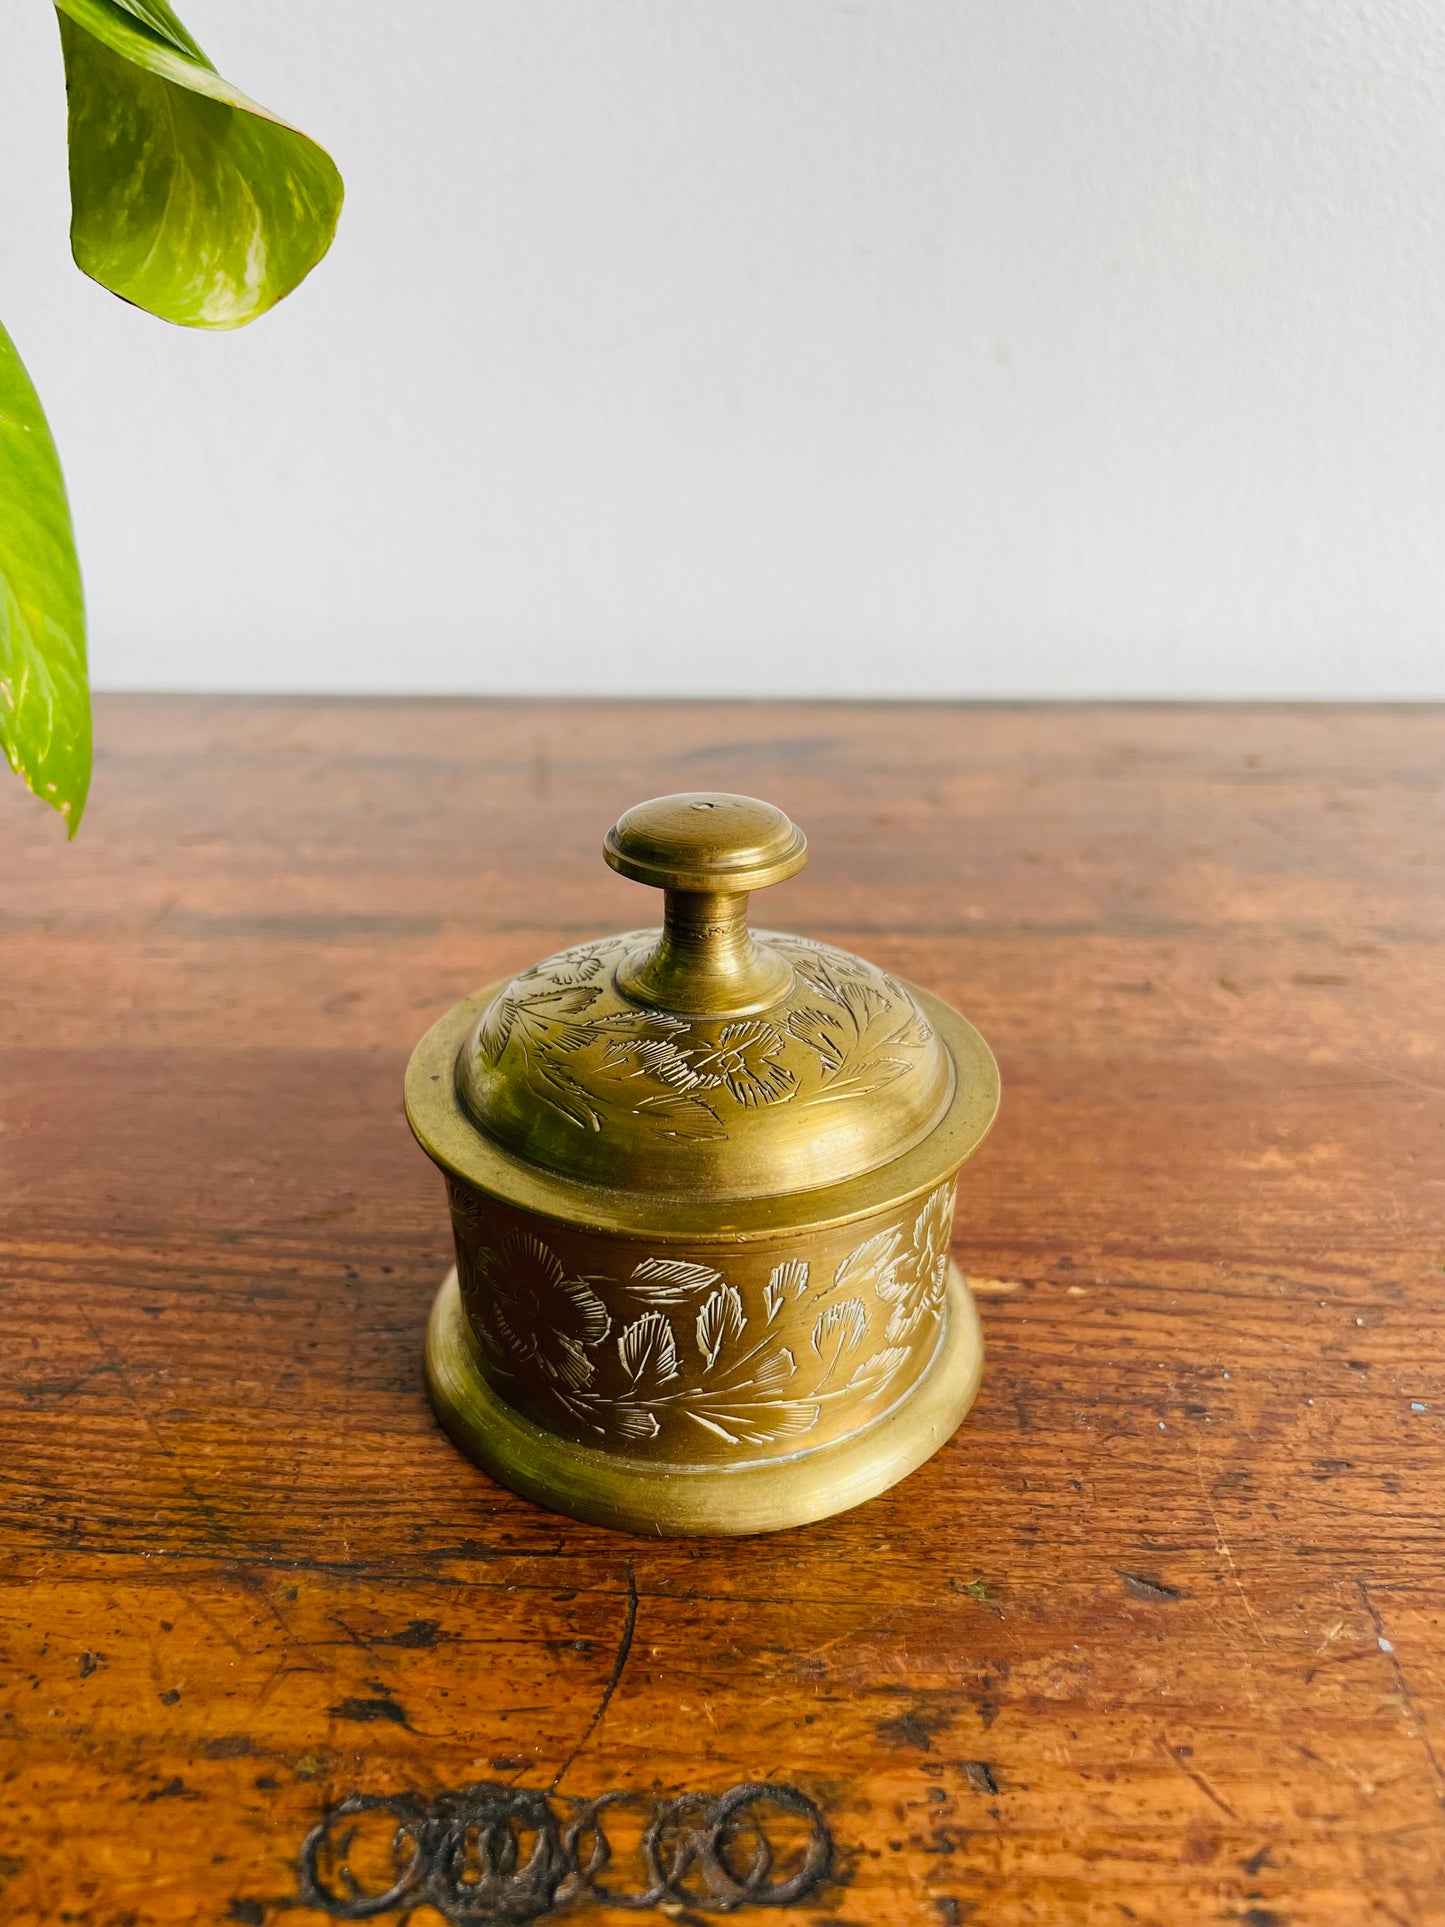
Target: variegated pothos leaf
[44, 698]
[187, 197]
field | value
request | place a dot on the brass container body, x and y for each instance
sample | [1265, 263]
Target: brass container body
[758, 1495]
[687, 1354]
[703, 1279]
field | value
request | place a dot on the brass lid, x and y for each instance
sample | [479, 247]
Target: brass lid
[702, 1061]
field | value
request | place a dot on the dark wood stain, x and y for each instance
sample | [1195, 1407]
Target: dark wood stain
[368, 1709]
[1207, 1239]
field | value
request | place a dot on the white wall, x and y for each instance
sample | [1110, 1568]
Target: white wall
[953, 346]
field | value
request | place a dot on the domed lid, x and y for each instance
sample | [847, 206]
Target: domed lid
[702, 1061]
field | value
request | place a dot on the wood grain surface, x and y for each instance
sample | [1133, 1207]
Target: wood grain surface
[1158, 1638]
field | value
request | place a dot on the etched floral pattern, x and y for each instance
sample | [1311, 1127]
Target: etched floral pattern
[675, 1343]
[864, 1035]
[914, 1290]
[544, 1315]
[858, 1031]
[744, 1062]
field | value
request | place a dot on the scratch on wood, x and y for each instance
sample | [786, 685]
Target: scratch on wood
[115, 1358]
[1179, 1756]
[1387, 1647]
[619, 1664]
[1223, 1546]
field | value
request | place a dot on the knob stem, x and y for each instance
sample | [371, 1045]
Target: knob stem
[706, 962]
[706, 851]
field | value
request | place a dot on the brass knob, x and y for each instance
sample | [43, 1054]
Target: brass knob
[706, 850]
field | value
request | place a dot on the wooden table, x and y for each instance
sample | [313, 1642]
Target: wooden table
[1158, 1638]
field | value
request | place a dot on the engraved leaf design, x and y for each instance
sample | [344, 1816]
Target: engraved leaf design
[544, 1013]
[566, 1028]
[556, 1085]
[872, 1075]
[919, 1025]
[569, 1364]
[683, 1114]
[837, 979]
[466, 1208]
[875, 1372]
[495, 1028]
[870, 1265]
[864, 1002]
[856, 1036]
[759, 1424]
[671, 1281]
[719, 1323]
[900, 1291]
[822, 1032]
[655, 1057]
[789, 1280]
[532, 1264]
[639, 1043]
[774, 1368]
[526, 1275]
[556, 1003]
[648, 1352]
[839, 1330]
[814, 971]
[635, 1422]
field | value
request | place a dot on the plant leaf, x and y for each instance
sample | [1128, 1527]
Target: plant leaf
[186, 198]
[44, 702]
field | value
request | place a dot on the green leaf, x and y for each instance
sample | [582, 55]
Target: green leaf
[186, 197]
[44, 703]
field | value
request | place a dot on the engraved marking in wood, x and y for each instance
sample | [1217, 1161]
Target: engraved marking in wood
[489, 1853]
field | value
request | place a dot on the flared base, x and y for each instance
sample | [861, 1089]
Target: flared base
[633, 1495]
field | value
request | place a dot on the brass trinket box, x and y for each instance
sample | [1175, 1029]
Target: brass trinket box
[702, 1187]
